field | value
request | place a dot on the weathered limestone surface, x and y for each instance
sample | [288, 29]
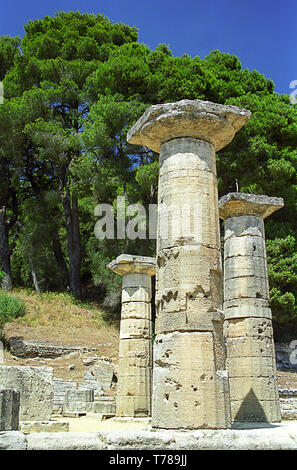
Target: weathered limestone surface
[35, 385]
[288, 403]
[21, 347]
[189, 392]
[44, 426]
[243, 436]
[135, 348]
[210, 122]
[12, 440]
[103, 371]
[9, 409]
[248, 326]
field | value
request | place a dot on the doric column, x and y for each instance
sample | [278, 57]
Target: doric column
[190, 384]
[248, 325]
[135, 349]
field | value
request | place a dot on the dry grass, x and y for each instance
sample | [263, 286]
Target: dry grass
[60, 319]
[57, 309]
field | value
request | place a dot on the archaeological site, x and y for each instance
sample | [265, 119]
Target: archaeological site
[202, 373]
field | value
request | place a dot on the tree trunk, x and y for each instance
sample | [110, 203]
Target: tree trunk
[34, 277]
[73, 238]
[59, 256]
[6, 283]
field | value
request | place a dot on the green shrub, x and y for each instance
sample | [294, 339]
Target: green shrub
[10, 308]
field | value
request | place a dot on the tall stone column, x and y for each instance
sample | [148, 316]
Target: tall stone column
[190, 384]
[248, 325]
[134, 387]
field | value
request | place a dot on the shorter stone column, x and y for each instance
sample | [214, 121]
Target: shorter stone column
[135, 349]
[9, 409]
[248, 321]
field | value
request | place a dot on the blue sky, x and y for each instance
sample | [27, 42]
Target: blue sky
[262, 34]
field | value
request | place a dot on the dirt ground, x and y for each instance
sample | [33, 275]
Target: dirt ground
[57, 319]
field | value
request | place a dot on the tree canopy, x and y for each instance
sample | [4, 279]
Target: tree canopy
[74, 84]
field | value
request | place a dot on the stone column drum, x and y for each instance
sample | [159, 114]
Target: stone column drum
[248, 325]
[190, 384]
[134, 387]
[9, 409]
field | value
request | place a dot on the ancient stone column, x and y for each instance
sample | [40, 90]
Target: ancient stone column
[135, 349]
[248, 326]
[9, 409]
[190, 384]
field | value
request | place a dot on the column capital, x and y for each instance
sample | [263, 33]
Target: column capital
[211, 122]
[126, 264]
[235, 204]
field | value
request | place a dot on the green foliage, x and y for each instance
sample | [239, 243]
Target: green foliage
[74, 86]
[10, 308]
[282, 262]
[9, 50]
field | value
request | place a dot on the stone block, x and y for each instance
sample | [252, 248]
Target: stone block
[242, 225]
[44, 426]
[187, 149]
[136, 280]
[191, 319]
[12, 440]
[249, 286]
[136, 294]
[135, 348]
[251, 367]
[27, 348]
[130, 366]
[9, 409]
[242, 327]
[188, 392]
[142, 310]
[189, 280]
[103, 372]
[182, 217]
[134, 406]
[248, 245]
[256, 388]
[135, 328]
[242, 266]
[79, 395]
[135, 385]
[247, 308]
[35, 385]
[250, 347]
[102, 406]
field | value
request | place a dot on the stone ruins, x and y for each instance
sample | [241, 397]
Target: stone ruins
[135, 349]
[212, 362]
[190, 381]
[248, 322]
